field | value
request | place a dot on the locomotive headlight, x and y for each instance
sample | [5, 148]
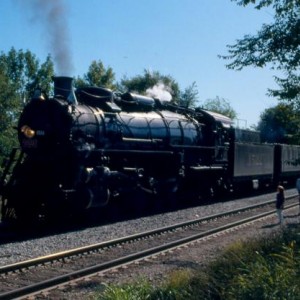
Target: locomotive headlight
[27, 131]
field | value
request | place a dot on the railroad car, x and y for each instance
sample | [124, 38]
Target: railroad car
[286, 163]
[252, 165]
[85, 148]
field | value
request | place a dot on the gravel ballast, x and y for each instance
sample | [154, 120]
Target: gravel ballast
[19, 251]
[155, 270]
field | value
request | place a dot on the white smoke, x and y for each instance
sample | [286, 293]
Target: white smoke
[160, 91]
[52, 16]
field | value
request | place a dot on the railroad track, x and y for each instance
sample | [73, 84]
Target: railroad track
[29, 277]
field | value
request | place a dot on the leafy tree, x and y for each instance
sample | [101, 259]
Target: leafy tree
[276, 45]
[221, 106]
[280, 124]
[43, 77]
[24, 72]
[141, 83]
[97, 75]
[20, 73]
[189, 96]
[9, 104]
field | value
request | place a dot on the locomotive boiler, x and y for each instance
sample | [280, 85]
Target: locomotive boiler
[82, 149]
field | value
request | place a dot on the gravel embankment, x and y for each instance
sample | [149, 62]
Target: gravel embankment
[18, 251]
[155, 270]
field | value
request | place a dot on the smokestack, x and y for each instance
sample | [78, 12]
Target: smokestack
[64, 88]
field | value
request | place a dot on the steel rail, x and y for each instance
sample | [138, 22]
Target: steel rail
[107, 244]
[90, 271]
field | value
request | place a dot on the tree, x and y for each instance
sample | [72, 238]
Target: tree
[189, 97]
[9, 106]
[97, 75]
[24, 72]
[43, 77]
[279, 124]
[152, 82]
[276, 44]
[20, 74]
[221, 106]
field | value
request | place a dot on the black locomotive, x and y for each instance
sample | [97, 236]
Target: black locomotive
[84, 148]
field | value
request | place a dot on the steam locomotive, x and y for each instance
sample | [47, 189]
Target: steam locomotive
[87, 147]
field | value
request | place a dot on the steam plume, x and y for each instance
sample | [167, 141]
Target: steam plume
[160, 91]
[52, 16]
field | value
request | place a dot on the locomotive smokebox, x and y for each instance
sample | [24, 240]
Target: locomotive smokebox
[64, 88]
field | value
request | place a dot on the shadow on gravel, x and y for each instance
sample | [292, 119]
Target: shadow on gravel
[287, 224]
[293, 225]
[271, 225]
[292, 216]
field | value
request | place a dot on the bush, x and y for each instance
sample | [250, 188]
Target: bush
[258, 269]
[139, 291]
[268, 277]
[175, 288]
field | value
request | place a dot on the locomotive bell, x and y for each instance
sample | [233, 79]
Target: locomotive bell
[64, 88]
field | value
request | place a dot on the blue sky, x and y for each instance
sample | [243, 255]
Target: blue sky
[181, 38]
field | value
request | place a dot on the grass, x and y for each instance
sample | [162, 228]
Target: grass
[266, 268]
[176, 287]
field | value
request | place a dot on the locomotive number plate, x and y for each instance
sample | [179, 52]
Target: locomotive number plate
[29, 143]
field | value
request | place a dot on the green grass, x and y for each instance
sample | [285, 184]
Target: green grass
[176, 287]
[259, 269]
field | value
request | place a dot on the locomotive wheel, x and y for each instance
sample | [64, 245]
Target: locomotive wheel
[167, 195]
[26, 215]
[134, 202]
[195, 190]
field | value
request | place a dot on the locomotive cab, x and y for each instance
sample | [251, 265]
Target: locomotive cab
[216, 133]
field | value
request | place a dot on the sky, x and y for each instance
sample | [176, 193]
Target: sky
[180, 38]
